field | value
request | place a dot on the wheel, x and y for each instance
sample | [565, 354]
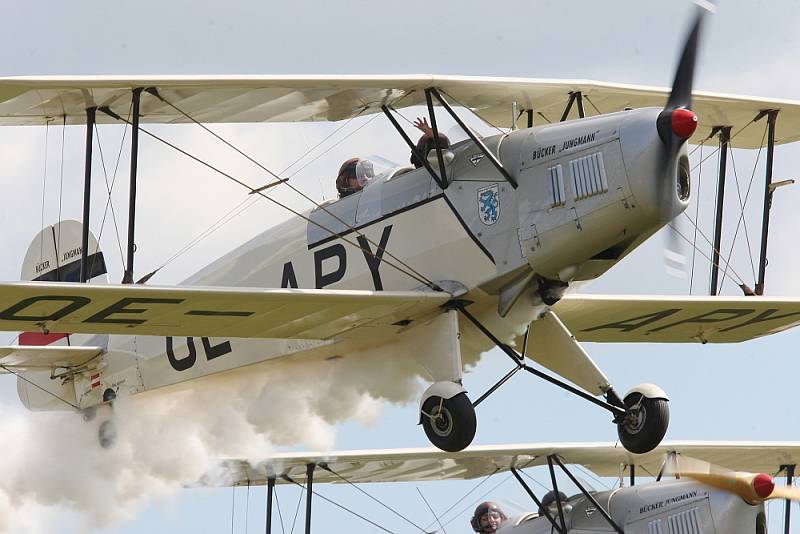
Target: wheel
[450, 424]
[107, 434]
[645, 425]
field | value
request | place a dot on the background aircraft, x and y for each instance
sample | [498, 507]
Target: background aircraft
[740, 48]
[692, 493]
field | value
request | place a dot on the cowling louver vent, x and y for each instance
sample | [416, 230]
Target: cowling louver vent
[588, 176]
[559, 196]
[685, 522]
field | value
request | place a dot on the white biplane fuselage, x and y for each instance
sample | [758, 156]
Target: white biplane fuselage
[589, 192]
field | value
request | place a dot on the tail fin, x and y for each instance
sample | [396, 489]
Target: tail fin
[55, 255]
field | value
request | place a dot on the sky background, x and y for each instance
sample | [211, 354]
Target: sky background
[742, 392]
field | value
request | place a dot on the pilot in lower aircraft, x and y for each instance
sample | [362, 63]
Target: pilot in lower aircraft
[487, 518]
[354, 175]
[425, 143]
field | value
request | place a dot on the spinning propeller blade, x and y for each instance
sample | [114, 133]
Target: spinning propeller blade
[752, 487]
[678, 122]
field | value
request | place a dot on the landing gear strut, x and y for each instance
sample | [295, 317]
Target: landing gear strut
[642, 418]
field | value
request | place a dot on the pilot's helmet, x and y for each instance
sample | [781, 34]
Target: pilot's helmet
[347, 172]
[494, 517]
[549, 503]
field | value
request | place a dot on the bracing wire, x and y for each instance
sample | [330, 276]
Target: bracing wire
[467, 494]
[438, 520]
[741, 221]
[485, 120]
[280, 515]
[476, 501]
[675, 229]
[109, 191]
[696, 218]
[44, 181]
[737, 132]
[285, 181]
[395, 512]
[586, 97]
[410, 272]
[340, 506]
[591, 475]
[37, 386]
[296, 511]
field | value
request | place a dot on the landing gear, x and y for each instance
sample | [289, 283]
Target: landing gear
[645, 423]
[450, 424]
[641, 418]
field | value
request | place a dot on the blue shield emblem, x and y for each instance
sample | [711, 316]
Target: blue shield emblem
[489, 204]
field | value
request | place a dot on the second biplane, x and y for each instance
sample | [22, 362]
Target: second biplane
[482, 243]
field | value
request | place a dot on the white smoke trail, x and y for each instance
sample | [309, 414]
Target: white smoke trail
[170, 438]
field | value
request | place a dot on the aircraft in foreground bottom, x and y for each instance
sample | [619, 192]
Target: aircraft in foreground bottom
[476, 247]
[702, 498]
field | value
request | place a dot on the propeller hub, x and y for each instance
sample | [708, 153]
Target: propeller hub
[684, 122]
[763, 485]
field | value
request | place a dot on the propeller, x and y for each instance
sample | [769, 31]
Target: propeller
[678, 122]
[675, 125]
[752, 487]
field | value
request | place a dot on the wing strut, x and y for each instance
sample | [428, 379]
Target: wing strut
[575, 97]
[270, 491]
[136, 97]
[724, 141]
[553, 458]
[772, 116]
[530, 493]
[421, 157]
[309, 493]
[491, 157]
[787, 522]
[91, 114]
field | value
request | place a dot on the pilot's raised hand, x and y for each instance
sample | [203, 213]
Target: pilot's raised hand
[421, 124]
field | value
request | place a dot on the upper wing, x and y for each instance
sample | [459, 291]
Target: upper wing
[206, 311]
[665, 319]
[406, 465]
[32, 100]
[17, 358]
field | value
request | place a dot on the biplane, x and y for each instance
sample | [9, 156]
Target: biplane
[479, 246]
[690, 492]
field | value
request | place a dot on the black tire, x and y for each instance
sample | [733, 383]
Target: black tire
[107, 434]
[644, 428]
[450, 424]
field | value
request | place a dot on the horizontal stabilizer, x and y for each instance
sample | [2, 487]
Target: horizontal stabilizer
[207, 311]
[39, 358]
[414, 465]
[667, 319]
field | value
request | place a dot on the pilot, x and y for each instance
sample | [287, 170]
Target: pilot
[425, 143]
[488, 518]
[549, 503]
[354, 175]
